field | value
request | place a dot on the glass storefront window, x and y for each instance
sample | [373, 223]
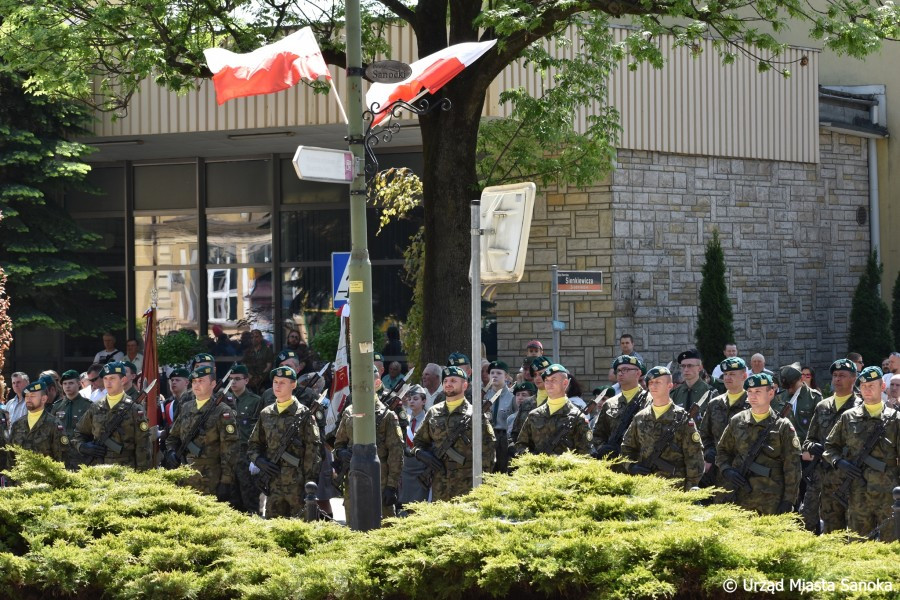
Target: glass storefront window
[295, 191]
[306, 297]
[105, 191]
[165, 240]
[177, 295]
[312, 235]
[239, 299]
[165, 187]
[239, 238]
[81, 350]
[238, 183]
[391, 295]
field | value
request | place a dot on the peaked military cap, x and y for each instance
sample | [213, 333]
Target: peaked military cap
[843, 364]
[458, 359]
[204, 357]
[555, 368]
[452, 371]
[498, 364]
[286, 354]
[758, 380]
[284, 372]
[539, 363]
[113, 368]
[40, 385]
[657, 372]
[789, 374]
[70, 374]
[692, 353]
[733, 363]
[239, 369]
[627, 359]
[869, 374]
[203, 371]
[525, 386]
[180, 372]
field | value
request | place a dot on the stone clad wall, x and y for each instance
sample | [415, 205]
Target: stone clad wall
[793, 248]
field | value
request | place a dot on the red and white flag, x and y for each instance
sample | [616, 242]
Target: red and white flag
[429, 74]
[340, 385]
[269, 69]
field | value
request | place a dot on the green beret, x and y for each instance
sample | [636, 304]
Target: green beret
[180, 372]
[286, 354]
[284, 372]
[70, 374]
[843, 364]
[377, 357]
[657, 372]
[758, 380]
[113, 368]
[131, 366]
[204, 357]
[458, 359]
[37, 386]
[539, 364]
[498, 364]
[452, 371]
[239, 369]
[733, 363]
[525, 386]
[869, 374]
[627, 359]
[554, 368]
[203, 371]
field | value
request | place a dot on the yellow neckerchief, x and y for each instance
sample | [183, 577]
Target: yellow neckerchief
[839, 401]
[33, 418]
[282, 406]
[733, 398]
[759, 418]
[113, 400]
[454, 404]
[874, 410]
[201, 403]
[659, 411]
[556, 403]
[629, 394]
[541, 397]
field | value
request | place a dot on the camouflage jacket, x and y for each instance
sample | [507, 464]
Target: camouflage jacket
[305, 445]
[824, 418]
[247, 407]
[611, 414]
[133, 434]
[305, 396]
[716, 417]
[47, 437]
[850, 434]
[440, 423]
[388, 441]
[684, 452]
[807, 401]
[520, 415]
[217, 442]
[780, 454]
[566, 427]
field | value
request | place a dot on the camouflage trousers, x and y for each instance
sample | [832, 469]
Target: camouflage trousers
[457, 482]
[868, 509]
[246, 495]
[833, 513]
[206, 476]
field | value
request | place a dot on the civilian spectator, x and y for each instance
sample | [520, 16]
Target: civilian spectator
[893, 367]
[258, 359]
[411, 489]
[15, 404]
[293, 340]
[109, 353]
[730, 351]
[394, 375]
[133, 354]
[626, 345]
[96, 392]
[809, 377]
[856, 359]
[893, 392]
[431, 381]
[393, 348]
[758, 365]
[575, 393]
[534, 349]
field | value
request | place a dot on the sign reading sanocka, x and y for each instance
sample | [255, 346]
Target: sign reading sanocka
[579, 281]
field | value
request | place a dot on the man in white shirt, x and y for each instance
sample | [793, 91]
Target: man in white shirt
[96, 392]
[431, 381]
[15, 405]
[109, 353]
[133, 354]
[731, 350]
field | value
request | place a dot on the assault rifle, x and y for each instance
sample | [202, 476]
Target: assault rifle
[315, 378]
[221, 383]
[187, 442]
[749, 464]
[445, 449]
[116, 421]
[863, 459]
[281, 450]
[614, 443]
[655, 459]
[396, 393]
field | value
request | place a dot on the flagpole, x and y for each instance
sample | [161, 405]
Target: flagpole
[337, 97]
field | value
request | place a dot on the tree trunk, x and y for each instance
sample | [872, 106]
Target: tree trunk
[449, 184]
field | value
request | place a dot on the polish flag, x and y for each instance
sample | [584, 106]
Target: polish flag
[429, 74]
[340, 385]
[266, 70]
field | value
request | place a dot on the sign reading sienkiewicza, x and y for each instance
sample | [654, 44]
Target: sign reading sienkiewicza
[579, 281]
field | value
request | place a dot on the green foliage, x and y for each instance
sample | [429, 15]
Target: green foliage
[43, 252]
[413, 266]
[715, 321]
[870, 332]
[325, 342]
[395, 192]
[177, 348]
[559, 527]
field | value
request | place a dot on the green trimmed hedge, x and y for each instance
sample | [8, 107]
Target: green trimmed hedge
[560, 527]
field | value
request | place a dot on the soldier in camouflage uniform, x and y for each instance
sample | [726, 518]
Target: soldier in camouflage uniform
[869, 498]
[557, 425]
[69, 409]
[247, 406]
[693, 394]
[797, 403]
[663, 422]
[212, 450]
[388, 441]
[129, 444]
[306, 396]
[286, 496]
[443, 424]
[718, 414]
[628, 370]
[38, 430]
[823, 480]
[524, 392]
[770, 485]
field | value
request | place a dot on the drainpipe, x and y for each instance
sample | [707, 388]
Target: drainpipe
[874, 219]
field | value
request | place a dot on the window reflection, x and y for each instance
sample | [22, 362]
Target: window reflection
[165, 240]
[239, 298]
[176, 299]
[239, 238]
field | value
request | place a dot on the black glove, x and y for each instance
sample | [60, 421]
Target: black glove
[224, 491]
[636, 469]
[607, 451]
[709, 455]
[389, 496]
[735, 478]
[430, 459]
[93, 449]
[846, 465]
[267, 466]
[816, 449]
[171, 460]
[784, 507]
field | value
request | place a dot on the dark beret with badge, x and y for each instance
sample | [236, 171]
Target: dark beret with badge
[498, 365]
[131, 366]
[627, 359]
[687, 354]
[41, 385]
[239, 369]
[204, 357]
[869, 374]
[732, 363]
[180, 372]
[758, 380]
[453, 371]
[525, 386]
[286, 354]
[284, 372]
[539, 363]
[657, 372]
[458, 359]
[555, 368]
[204, 371]
[70, 374]
[843, 364]
[114, 368]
